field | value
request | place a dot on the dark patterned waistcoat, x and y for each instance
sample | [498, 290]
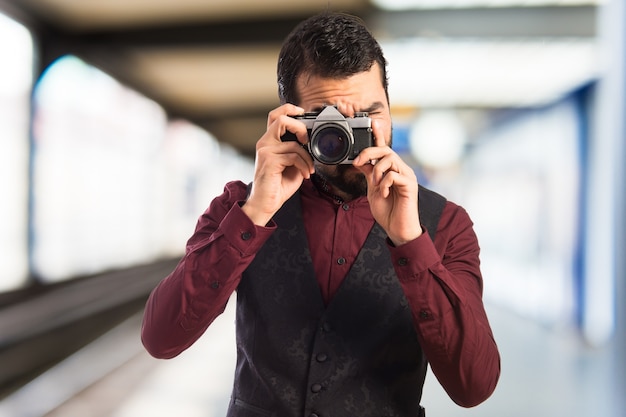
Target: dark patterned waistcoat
[356, 357]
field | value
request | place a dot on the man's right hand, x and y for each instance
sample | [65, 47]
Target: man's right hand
[280, 167]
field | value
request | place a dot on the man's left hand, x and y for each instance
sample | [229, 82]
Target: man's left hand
[391, 191]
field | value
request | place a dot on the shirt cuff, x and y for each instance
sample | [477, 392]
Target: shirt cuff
[242, 233]
[413, 258]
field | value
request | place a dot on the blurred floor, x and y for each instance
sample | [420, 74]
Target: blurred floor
[544, 373]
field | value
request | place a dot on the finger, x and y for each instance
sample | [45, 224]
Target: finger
[286, 155]
[293, 149]
[404, 183]
[284, 110]
[384, 166]
[289, 127]
[389, 180]
[373, 167]
[303, 162]
[381, 168]
[283, 123]
[370, 156]
[380, 133]
[284, 129]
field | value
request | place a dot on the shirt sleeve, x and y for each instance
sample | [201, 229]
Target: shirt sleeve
[185, 303]
[443, 285]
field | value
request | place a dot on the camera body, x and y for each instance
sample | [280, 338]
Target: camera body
[333, 138]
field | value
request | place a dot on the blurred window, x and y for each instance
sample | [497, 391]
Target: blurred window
[522, 185]
[96, 173]
[16, 50]
[114, 182]
[197, 168]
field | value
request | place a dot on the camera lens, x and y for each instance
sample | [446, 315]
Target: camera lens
[330, 145]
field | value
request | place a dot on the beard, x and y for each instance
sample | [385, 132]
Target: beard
[344, 178]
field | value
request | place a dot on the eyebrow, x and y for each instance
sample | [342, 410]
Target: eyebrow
[377, 105]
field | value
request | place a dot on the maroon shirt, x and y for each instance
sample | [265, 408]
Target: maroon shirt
[442, 282]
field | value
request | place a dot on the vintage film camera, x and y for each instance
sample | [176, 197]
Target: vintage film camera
[333, 138]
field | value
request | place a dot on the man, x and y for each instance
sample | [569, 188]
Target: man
[343, 298]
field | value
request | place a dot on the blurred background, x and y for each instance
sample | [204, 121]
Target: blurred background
[121, 120]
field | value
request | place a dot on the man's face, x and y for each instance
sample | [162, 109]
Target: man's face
[363, 92]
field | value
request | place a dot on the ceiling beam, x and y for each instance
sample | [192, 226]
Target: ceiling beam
[222, 34]
[549, 21]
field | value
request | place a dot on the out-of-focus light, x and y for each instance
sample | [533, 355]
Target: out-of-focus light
[603, 209]
[437, 139]
[16, 50]
[487, 73]
[453, 4]
[16, 45]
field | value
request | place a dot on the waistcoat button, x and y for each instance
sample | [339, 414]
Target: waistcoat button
[321, 357]
[315, 388]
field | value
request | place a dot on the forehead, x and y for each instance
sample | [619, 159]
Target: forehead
[358, 91]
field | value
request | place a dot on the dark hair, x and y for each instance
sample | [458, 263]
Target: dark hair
[328, 45]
